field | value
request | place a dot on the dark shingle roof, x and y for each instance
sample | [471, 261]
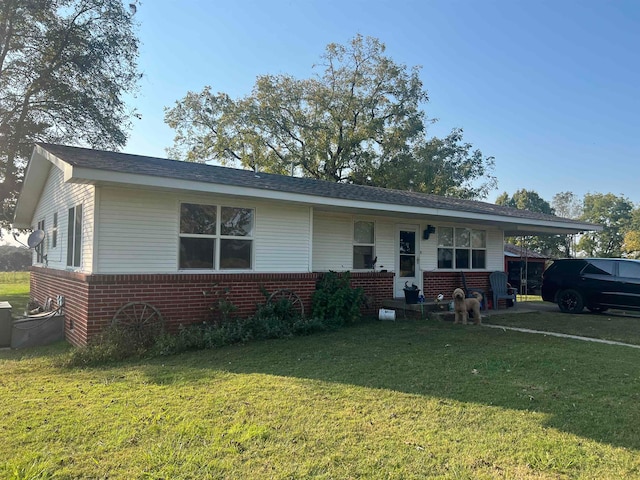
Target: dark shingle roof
[199, 172]
[518, 251]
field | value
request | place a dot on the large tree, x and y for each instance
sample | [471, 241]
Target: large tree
[359, 120]
[631, 244]
[550, 245]
[525, 199]
[615, 215]
[64, 67]
[567, 205]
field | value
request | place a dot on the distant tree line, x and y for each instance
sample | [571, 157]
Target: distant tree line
[619, 217]
[14, 259]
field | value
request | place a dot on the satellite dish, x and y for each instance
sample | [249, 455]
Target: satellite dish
[35, 239]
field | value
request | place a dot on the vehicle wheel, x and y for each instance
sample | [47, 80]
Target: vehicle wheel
[570, 301]
[142, 319]
[597, 309]
[294, 301]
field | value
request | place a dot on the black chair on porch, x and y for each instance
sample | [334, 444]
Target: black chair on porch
[469, 292]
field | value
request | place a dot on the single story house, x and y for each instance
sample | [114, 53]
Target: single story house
[177, 235]
[524, 268]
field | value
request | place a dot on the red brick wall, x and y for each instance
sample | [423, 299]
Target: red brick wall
[92, 300]
[49, 283]
[446, 282]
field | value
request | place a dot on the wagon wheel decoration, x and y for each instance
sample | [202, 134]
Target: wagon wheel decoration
[291, 297]
[141, 318]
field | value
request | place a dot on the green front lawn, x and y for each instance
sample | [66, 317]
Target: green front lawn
[14, 288]
[393, 400]
[618, 326]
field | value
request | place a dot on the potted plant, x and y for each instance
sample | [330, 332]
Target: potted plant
[411, 293]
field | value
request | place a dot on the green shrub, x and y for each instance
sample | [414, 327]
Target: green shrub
[114, 343]
[272, 320]
[334, 301]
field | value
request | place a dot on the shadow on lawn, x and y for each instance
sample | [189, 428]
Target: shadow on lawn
[588, 390]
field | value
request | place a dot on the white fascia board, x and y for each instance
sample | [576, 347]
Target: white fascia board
[35, 178]
[544, 226]
[93, 176]
[61, 164]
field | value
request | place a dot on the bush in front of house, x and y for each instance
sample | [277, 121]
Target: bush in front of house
[335, 304]
[334, 301]
[273, 320]
[114, 343]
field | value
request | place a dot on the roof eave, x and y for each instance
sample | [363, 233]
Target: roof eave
[35, 177]
[513, 226]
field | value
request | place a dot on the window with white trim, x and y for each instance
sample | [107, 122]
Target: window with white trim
[214, 237]
[54, 231]
[363, 245]
[74, 237]
[462, 248]
[40, 248]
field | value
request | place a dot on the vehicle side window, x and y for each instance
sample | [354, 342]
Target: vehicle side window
[599, 267]
[629, 269]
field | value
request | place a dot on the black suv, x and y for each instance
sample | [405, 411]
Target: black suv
[595, 283]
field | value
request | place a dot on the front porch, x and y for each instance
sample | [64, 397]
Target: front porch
[440, 311]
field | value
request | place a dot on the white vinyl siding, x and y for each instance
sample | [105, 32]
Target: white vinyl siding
[58, 197]
[139, 231]
[385, 244]
[495, 250]
[282, 238]
[429, 249]
[333, 241]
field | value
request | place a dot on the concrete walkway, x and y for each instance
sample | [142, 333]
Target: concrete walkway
[561, 335]
[527, 307]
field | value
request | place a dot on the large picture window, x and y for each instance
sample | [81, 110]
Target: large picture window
[74, 237]
[462, 248]
[363, 245]
[213, 237]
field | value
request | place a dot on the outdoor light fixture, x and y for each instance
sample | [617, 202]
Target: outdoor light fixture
[428, 231]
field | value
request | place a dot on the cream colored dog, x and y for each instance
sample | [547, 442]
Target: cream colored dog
[462, 306]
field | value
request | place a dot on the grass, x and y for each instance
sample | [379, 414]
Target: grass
[393, 400]
[407, 399]
[616, 325]
[14, 288]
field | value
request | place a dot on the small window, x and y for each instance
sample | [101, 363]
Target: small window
[599, 267]
[74, 237]
[629, 269]
[235, 254]
[363, 245]
[198, 219]
[462, 248]
[54, 231]
[236, 222]
[197, 252]
[40, 248]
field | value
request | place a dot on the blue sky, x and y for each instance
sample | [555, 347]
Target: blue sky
[551, 89]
